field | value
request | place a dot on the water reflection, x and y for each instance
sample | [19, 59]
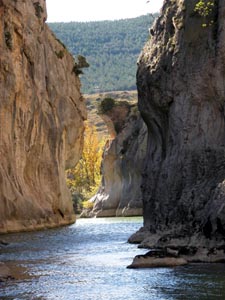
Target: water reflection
[87, 261]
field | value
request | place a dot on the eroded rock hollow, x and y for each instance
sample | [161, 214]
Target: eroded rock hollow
[181, 87]
[123, 159]
[41, 120]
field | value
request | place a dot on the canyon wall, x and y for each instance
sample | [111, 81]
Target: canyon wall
[41, 120]
[181, 88]
[123, 159]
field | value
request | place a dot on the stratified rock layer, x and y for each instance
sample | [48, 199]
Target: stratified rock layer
[41, 120]
[181, 87]
[123, 160]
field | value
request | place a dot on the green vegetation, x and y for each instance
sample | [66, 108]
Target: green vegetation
[111, 48]
[84, 180]
[60, 54]
[93, 101]
[205, 9]
[38, 9]
[78, 66]
[106, 105]
[8, 39]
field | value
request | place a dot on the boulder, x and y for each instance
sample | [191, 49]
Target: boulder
[157, 259]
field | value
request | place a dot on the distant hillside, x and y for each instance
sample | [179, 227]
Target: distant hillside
[110, 47]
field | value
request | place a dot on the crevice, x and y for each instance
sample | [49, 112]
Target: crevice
[207, 229]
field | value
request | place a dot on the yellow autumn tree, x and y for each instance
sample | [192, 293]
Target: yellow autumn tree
[85, 178]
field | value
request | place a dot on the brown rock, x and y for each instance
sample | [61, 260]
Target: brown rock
[152, 262]
[155, 259]
[41, 120]
[5, 273]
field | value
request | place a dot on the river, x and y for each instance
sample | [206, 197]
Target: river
[87, 261]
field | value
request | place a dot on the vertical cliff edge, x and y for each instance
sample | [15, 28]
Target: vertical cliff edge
[123, 160]
[41, 120]
[181, 87]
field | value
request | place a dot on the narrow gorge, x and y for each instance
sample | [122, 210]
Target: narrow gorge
[172, 170]
[41, 120]
[164, 162]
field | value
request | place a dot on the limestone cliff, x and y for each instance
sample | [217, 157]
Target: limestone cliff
[181, 87]
[41, 120]
[120, 193]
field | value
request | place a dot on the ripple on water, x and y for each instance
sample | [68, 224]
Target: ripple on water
[87, 261]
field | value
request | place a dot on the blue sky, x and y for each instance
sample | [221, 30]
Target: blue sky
[95, 10]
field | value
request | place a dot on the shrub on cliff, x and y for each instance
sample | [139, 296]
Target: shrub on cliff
[78, 66]
[205, 10]
[106, 105]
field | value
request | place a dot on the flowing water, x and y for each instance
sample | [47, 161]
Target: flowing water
[87, 261]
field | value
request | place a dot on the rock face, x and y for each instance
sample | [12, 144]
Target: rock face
[181, 91]
[120, 193]
[41, 120]
[157, 259]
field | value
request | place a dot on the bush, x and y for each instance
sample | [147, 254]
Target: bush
[106, 105]
[38, 9]
[205, 9]
[82, 63]
[88, 204]
[8, 39]
[60, 54]
[83, 180]
[77, 199]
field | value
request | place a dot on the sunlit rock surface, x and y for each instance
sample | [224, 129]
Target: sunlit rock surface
[157, 259]
[41, 120]
[120, 193]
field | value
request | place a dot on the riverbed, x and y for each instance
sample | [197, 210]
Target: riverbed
[88, 260]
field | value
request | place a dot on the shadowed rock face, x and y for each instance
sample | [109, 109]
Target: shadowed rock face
[41, 120]
[181, 91]
[120, 193]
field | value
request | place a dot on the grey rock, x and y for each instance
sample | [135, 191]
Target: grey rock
[120, 192]
[181, 89]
